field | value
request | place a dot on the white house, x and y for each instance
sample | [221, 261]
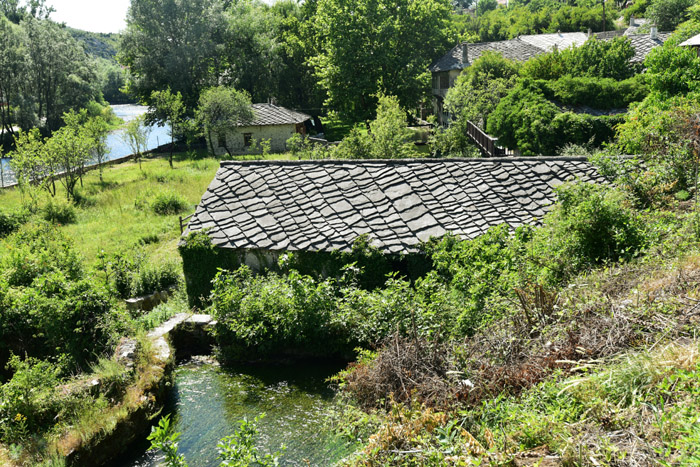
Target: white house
[270, 123]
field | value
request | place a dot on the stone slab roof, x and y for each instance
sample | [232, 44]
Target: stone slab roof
[325, 205]
[269, 114]
[525, 47]
[643, 43]
[562, 40]
[692, 42]
[513, 49]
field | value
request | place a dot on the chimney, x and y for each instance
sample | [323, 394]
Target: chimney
[464, 56]
[654, 34]
[632, 21]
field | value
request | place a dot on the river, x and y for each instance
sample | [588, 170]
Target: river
[117, 147]
[207, 402]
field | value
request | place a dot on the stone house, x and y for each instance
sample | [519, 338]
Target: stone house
[255, 211]
[447, 68]
[271, 122]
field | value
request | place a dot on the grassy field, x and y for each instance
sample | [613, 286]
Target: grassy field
[115, 215]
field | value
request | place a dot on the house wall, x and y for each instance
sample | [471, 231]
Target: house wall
[277, 134]
[440, 91]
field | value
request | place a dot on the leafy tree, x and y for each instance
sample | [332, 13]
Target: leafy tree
[674, 70]
[71, 147]
[136, 135]
[166, 109]
[13, 67]
[97, 130]
[62, 77]
[668, 14]
[368, 47]
[391, 137]
[252, 59]
[32, 164]
[171, 44]
[15, 12]
[482, 6]
[599, 59]
[220, 110]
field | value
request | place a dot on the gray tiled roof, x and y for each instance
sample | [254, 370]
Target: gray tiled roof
[325, 205]
[269, 114]
[562, 40]
[692, 42]
[643, 43]
[526, 47]
[513, 49]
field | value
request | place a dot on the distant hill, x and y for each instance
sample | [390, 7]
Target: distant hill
[97, 44]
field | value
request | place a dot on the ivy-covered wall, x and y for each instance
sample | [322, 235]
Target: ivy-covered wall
[201, 261]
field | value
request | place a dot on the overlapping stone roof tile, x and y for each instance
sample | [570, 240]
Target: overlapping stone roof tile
[269, 114]
[326, 205]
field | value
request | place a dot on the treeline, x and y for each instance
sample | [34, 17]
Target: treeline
[326, 53]
[45, 72]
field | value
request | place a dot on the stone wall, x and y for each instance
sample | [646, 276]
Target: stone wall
[169, 340]
[277, 134]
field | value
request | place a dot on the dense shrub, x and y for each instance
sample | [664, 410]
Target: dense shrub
[59, 212]
[591, 224]
[12, 221]
[166, 203]
[598, 93]
[267, 314]
[525, 119]
[153, 278]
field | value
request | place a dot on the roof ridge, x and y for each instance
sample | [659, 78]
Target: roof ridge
[225, 163]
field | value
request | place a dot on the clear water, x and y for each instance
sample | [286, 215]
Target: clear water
[117, 147]
[207, 402]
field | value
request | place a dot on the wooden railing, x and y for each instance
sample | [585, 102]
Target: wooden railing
[183, 221]
[486, 143]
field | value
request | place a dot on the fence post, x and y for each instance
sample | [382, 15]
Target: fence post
[180, 217]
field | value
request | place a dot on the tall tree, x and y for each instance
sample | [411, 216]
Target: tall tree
[136, 135]
[166, 109]
[172, 44]
[378, 46]
[62, 75]
[71, 147]
[13, 67]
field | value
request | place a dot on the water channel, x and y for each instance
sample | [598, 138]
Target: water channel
[117, 147]
[207, 402]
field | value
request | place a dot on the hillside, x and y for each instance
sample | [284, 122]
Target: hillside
[102, 45]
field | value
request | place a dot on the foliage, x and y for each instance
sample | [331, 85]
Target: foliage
[10, 221]
[525, 119]
[668, 14]
[239, 449]
[164, 439]
[236, 450]
[388, 136]
[673, 70]
[71, 148]
[590, 225]
[28, 400]
[371, 48]
[59, 212]
[598, 93]
[595, 59]
[220, 110]
[166, 108]
[168, 202]
[136, 135]
[183, 32]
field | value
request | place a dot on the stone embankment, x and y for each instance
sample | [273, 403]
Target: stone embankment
[181, 336]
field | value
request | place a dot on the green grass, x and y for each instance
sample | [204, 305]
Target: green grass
[115, 214]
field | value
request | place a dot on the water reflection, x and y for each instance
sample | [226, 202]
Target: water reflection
[208, 401]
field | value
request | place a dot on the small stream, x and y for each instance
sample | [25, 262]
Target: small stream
[207, 402]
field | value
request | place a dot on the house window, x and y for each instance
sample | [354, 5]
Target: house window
[444, 81]
[222, 140]
[247, 139]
